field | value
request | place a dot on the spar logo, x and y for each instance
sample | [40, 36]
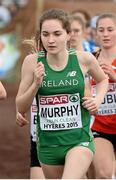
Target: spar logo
[51, 100]
[74, 98]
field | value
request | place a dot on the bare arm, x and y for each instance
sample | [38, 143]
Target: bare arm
[31, 78]
[2, 91]
[88, 91]
[21, 119]
[101, 80]
[90, 65]
[107, 68]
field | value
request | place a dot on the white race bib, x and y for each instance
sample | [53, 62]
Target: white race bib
[33, 120]
[60, 112]
[108, 106]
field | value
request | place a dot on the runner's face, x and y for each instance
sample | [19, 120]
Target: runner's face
[76, 34]
[106, 32]
[53, 36]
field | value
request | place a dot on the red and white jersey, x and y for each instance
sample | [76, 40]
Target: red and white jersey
[105, 120]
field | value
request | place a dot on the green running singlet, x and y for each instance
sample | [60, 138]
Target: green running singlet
[62, 120]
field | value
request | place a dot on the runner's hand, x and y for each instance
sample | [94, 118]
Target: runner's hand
[90, 104]
[21, 119]
[107, 68]
[39, 74]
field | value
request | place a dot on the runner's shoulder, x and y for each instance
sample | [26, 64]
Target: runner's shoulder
[31, 57]
[85, 57]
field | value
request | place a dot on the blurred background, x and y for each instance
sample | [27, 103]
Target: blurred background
[18, 21]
